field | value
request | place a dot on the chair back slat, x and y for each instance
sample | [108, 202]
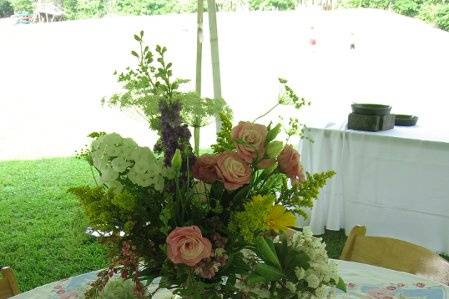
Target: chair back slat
[8, 283]
[394, 254]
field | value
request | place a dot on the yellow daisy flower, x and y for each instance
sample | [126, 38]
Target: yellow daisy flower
[279, 219]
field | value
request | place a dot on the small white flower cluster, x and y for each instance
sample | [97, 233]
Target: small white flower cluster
[117, 158]
[322, 274]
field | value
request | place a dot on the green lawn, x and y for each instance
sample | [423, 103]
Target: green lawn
[41, 225]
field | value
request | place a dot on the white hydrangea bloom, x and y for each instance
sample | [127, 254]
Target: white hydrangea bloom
[139, 178]
[109, 175]
[119, 164]
[112, 150]
[126, 149]
[112, 139]
[141, 154]
[116, 157]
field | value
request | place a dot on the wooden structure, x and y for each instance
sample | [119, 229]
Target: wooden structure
[8, 283]
[394, 254]
[47, 11]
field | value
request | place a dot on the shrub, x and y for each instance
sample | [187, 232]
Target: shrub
[6, 9]
[22, 5]
[272, 4]
[406, 7]
[442, 17]
[70, 9]
[427, 12]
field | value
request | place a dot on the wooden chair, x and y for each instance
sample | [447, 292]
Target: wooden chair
[8, 283]
[394, 254]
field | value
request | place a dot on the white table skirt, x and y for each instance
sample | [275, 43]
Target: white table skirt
[363, 281]
[394, 182]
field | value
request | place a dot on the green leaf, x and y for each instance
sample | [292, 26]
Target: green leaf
[273, 133]
[341, 285]
[282, 81]
[266, 251]
[255, 279]
[282, 251]
[137, 38]
[270, 273]
[299, 258]
[134, 53]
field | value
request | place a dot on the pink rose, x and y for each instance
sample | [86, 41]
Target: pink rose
[232, 170]
[289, 164]
[187, 246]
[204, 169]
[250, 140]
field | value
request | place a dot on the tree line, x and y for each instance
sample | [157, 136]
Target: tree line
[432, 11]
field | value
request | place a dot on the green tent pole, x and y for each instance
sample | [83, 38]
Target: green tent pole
[212, 11]
[199, 57]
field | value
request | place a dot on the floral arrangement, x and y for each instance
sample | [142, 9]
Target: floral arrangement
[217, 225]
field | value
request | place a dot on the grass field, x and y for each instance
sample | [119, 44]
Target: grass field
[42, 226]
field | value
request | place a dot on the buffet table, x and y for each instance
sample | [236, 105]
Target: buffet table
[363, 281]
[395, 182]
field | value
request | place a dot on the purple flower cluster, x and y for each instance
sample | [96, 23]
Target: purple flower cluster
[174, 133]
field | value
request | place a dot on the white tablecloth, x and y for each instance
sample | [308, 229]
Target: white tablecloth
[396, 182]
[362, 281]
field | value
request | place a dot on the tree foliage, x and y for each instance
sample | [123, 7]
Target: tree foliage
[22, 5]
[79, 9]
[272, 4]
[6, 9]
[431, 11]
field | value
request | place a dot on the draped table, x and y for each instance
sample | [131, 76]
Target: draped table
[363, 281]
[395, 182]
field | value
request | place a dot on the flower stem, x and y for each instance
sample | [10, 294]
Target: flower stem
[266, 113]
[196, 137]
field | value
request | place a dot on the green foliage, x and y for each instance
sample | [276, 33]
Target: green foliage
[71, 9]
[106, 212]
[118, 289]
[80, 9]
[288, 97]
[6, 9]
[428, 12]
[22, 5]
[147, 7]
[283, 264]
[303, 194]
[431, 11]
[272, 4]
[198, 112]
[151, 82]
[251, 221]
[442, 17]
[224, 137]
[406, 7]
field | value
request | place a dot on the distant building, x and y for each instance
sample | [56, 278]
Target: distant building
[47, 12]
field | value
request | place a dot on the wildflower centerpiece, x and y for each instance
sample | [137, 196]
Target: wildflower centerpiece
[219, 225]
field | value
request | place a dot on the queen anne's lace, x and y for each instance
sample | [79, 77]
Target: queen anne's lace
[322, 272]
